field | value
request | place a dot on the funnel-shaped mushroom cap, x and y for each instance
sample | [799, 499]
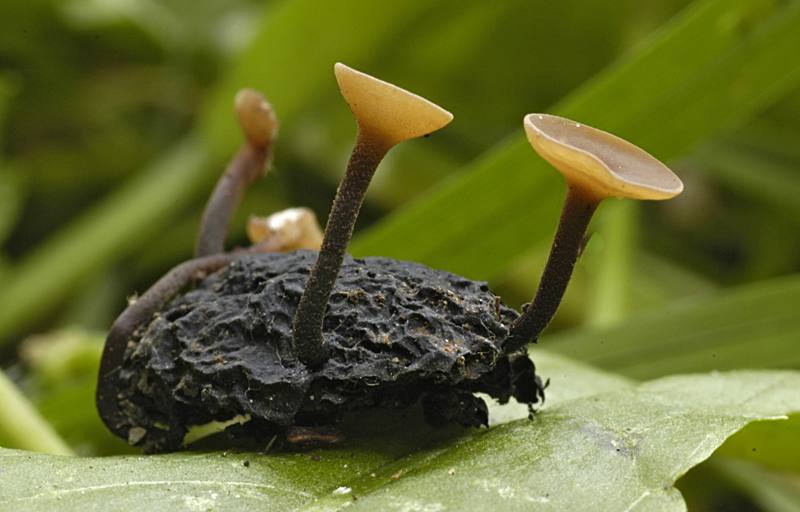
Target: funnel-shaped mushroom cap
[602, 164]
[256, 117]
[386, 112]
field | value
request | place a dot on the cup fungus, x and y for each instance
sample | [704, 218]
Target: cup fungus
[386, 115]
[596, 165]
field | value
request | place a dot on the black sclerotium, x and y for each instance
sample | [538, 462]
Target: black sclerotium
[242, 347]
[396, 332]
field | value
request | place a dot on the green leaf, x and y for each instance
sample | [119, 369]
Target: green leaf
[353, 31]
[11, 189]
[716, 64]
[118, 224]
[609, 302]
[621, 448]
[758, 324]
[768, 443]
[128, 218]
[769, 490]
[11, 200]
[749, 173]
[22, 426]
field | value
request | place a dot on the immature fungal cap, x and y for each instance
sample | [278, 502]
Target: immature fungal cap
[386, 112]
[256, 117]
[599, 162]
[297, 227]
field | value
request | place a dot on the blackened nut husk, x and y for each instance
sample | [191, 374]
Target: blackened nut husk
[397, 332]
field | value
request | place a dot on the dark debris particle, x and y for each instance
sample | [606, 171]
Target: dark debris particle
[317, 458]
[246, 463]
[396, 331]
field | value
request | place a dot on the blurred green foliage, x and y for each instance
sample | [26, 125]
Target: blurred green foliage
[116, 118]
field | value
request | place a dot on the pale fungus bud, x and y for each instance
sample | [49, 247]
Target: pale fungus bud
[295, 228]
[256, 117]
[260, 127]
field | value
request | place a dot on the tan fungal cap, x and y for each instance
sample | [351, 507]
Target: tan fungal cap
[599, 162]
[256, 117]
[386, 112]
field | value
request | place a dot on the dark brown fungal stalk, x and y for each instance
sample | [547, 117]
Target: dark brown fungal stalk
[260, 127]
[596, 165]
[386, 115]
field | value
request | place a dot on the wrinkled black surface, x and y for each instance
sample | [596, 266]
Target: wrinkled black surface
[397, 332]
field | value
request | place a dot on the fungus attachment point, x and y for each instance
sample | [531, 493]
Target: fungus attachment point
[260, 127]
[386, 115]
[596, 165]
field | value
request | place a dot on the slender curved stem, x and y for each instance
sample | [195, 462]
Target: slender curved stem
[579, 206]
[245, 168]
[307, 340]
[142, 310]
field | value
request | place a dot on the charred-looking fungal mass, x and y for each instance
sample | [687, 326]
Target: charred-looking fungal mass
[286, 337]
[396, 331]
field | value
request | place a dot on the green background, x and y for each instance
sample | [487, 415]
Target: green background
[116, 119]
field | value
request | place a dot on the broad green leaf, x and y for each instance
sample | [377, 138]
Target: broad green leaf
[756, 323]
[171, 482]
[621, 448]
[716, 64]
